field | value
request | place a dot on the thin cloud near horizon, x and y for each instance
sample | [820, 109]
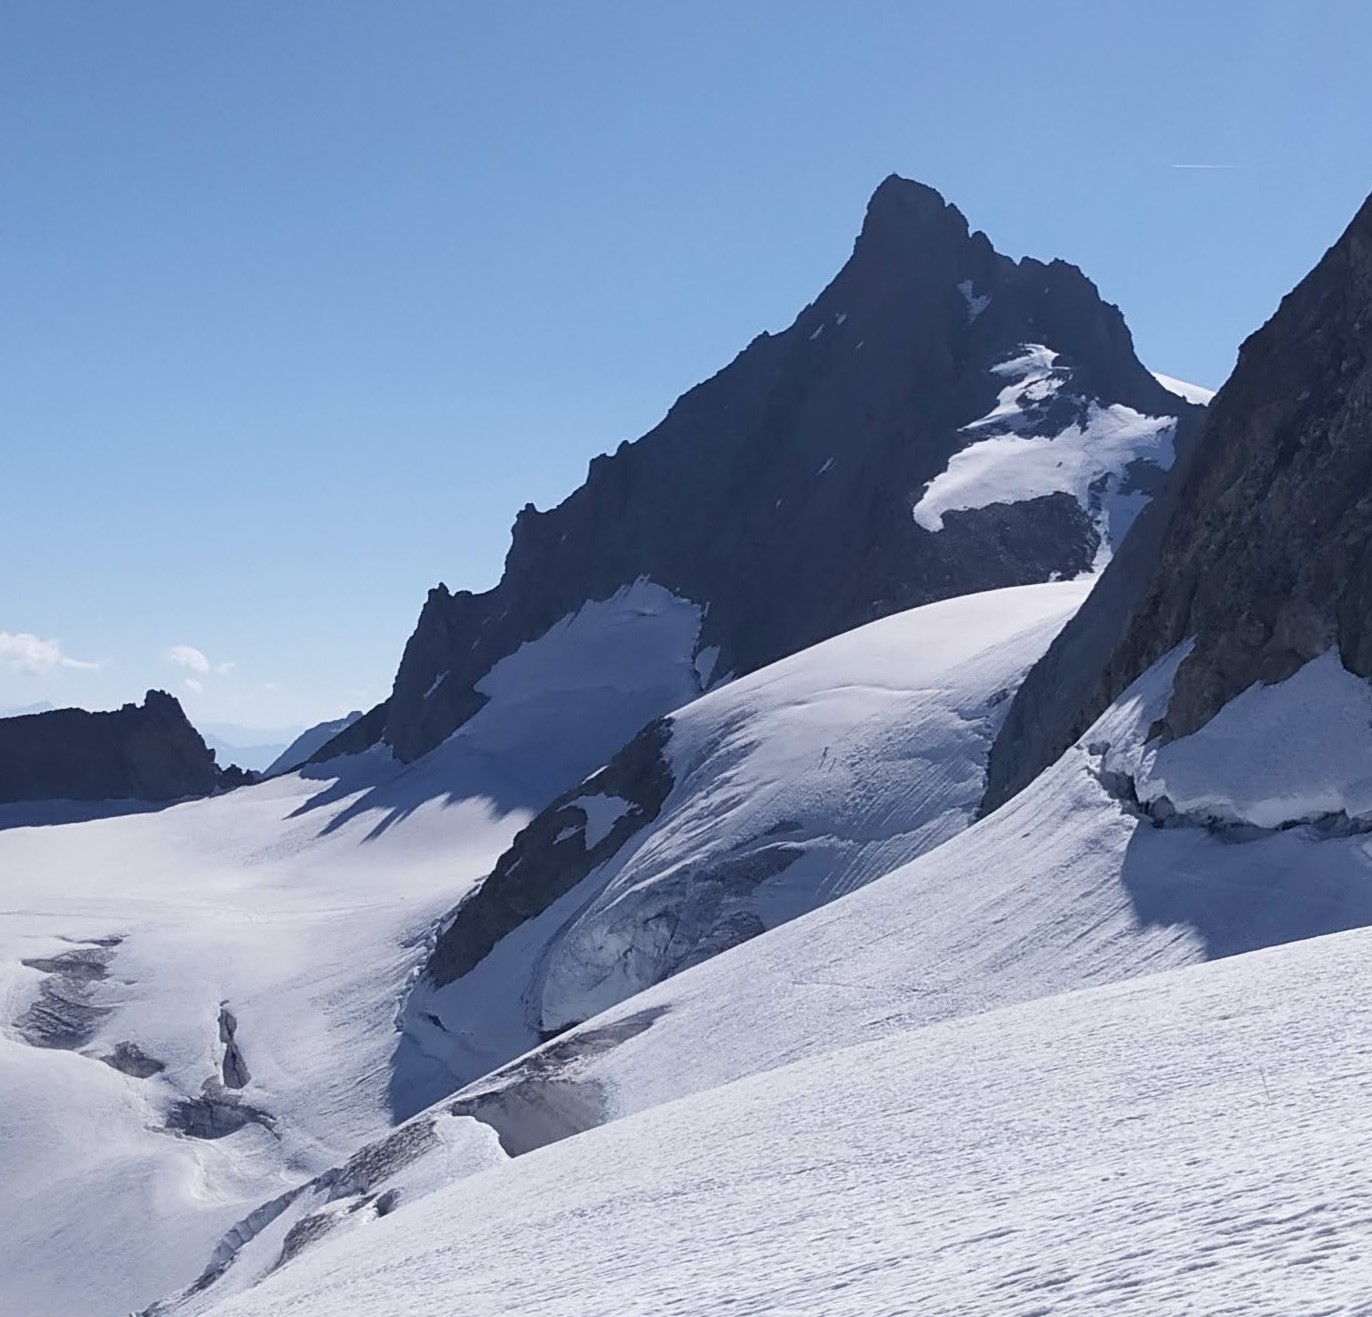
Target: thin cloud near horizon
[196, 661]
[25, 652]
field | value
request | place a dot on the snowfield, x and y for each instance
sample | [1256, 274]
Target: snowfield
[1068, 885]
[298, 910]
[853, 757]
[926, 1096]
[1195, 1142]
[977, 1069]
[308, 939]
[246, 958]
[1025, 448]
[790, 787]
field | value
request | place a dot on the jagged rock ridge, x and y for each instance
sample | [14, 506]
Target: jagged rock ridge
[138, 752]
[1265, 552]
[778, 495]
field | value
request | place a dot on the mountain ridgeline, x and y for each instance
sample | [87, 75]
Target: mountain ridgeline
[687, 936]
[1262, 549]
[138, 752]
[777, 496]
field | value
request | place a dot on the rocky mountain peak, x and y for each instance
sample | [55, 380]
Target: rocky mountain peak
[780, 497]
[911, 222]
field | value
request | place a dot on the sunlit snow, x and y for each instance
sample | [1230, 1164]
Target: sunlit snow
[1275, 754]
[915, 1112]
[1011, 458]
[1193, 1142]
[1197, 393]
[304, 905]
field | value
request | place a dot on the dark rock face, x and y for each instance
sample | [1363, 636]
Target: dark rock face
[233, 1069]
[550, 855]
[533, 1101]
[779, 493]
[1265, 555]
[147, 752]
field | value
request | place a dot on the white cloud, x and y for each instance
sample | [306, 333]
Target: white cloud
[195, 687]
[25, 652]
[195, 660]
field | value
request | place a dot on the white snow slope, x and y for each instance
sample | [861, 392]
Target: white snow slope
[1194, 1142]
[1063, 887]
[1187, 1143]
[1020, 450]
[311, 739]
[791, 786]
[302, 907]
[1197, 393]
[307, 939]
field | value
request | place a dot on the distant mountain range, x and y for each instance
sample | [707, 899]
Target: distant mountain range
[249, 747]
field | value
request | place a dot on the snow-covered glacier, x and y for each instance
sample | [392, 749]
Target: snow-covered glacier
[778, 793]
[913, 1097]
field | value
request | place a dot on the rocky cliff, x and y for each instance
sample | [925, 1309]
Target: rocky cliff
[811, 485]
[1264, 555]
[139, 752]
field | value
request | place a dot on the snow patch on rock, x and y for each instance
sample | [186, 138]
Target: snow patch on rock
[1018, 452]
[602, 813]
[975, 305]
[1196, 393]
[1275, 755]
[561, 705]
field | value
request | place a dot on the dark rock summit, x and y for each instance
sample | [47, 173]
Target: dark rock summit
[139, 752]
[778, 495]
[1263, 552]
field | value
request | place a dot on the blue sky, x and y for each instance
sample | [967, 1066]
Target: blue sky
[300, 303]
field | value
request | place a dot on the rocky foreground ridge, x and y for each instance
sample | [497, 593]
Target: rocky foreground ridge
[1263, 549]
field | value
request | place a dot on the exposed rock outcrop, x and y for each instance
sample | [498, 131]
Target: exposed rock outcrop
[554, 852]
[139, 752]
[1264, 555]
[215, 1113]
[778, 495]
[64, 1014]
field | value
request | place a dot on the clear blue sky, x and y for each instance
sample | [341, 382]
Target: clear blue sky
[300, 302]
